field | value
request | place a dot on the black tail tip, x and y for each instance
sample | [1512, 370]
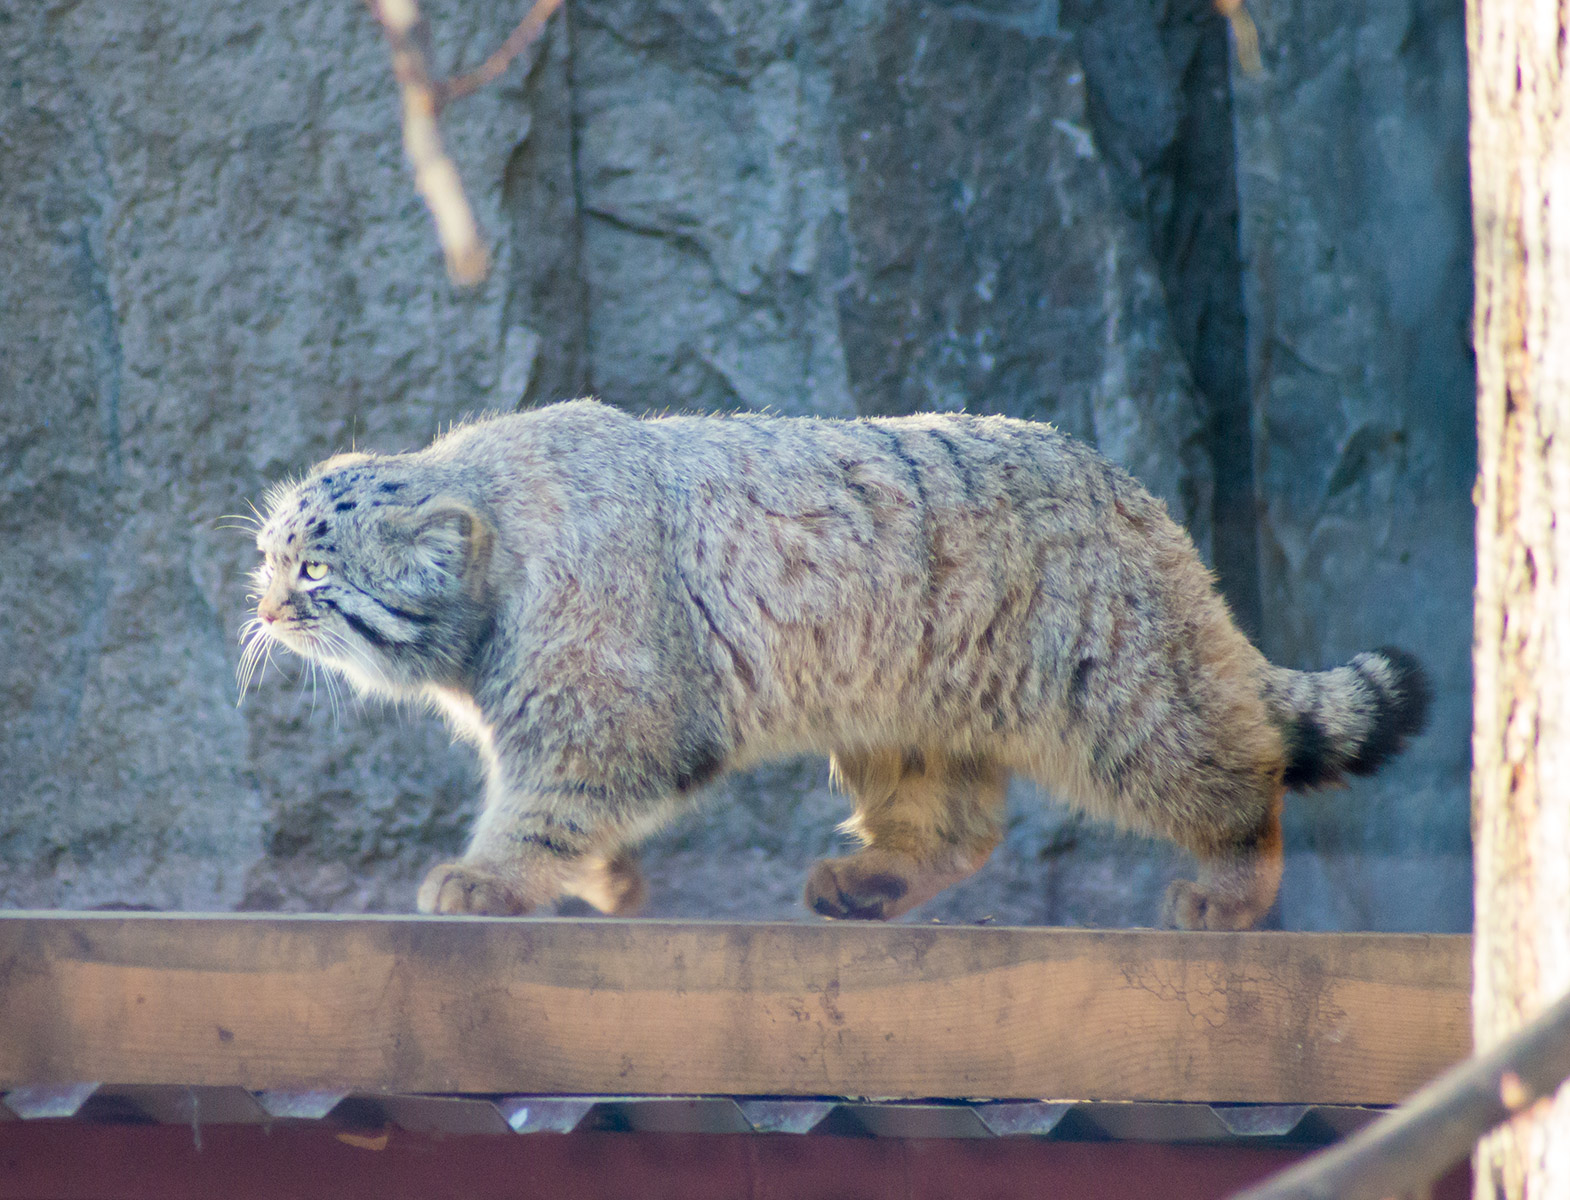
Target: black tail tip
[1401, 710]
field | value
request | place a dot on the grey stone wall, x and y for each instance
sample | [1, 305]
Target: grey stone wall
[215, 272]
[1357, 234]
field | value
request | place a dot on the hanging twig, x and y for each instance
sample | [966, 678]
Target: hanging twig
[517, 42]
[424, 97]
[435, 177]
[1245, 35]
[1437, 1127]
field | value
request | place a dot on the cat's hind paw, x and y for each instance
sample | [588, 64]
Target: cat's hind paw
[1191, 905]
[852, 889]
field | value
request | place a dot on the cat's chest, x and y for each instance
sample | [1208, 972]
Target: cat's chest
[462, 713]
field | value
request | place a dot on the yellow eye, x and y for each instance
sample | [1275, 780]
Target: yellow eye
[315, 571]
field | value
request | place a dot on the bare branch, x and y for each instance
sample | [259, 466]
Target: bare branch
[1245, 35]
[517, 41]
[435, 177]
[1438, 1126]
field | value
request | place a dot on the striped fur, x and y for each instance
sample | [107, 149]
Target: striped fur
[616, 610]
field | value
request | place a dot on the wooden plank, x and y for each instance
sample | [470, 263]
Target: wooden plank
[426, 1004]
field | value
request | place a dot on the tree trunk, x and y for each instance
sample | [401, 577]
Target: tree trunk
[1520, 97]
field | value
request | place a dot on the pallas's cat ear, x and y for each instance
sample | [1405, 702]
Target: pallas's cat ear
[445, 538]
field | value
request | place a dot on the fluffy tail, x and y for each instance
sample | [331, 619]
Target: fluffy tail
[1349, 720]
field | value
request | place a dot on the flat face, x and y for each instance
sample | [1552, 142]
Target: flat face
[296, 561]
[295, 584]
[349, 578]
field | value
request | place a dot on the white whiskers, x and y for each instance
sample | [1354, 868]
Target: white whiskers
[249, 522]
[257, 648]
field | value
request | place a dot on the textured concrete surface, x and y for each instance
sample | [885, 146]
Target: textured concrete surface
[216, 272]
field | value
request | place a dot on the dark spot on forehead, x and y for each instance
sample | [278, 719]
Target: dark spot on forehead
[292, 539]
[389, 487]
[301, 505]
[343, 506]
[339, 484]
[319, 529]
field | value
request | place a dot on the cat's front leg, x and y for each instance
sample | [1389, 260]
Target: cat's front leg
[526, 852]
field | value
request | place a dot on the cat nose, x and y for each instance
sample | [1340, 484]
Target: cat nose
[269, 610]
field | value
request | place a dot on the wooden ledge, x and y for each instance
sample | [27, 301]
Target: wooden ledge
[477, 1005]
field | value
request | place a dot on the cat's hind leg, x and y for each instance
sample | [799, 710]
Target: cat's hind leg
[1238, 878]
[927, 820]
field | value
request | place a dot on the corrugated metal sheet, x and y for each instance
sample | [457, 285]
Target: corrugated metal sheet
[1059, 1120]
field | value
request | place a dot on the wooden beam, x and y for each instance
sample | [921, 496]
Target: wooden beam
[429, 1004]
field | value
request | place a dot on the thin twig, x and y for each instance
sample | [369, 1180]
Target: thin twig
[1245, 35]
[517, 42]
[435, 177]
[1438, 1126]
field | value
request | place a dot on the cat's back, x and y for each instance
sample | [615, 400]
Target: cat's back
[897, 502]
[899, 565]
[869, 569]
[574, 440]
[933, 460]
[925, 462]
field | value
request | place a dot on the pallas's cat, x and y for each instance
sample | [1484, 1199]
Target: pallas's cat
[615, 610]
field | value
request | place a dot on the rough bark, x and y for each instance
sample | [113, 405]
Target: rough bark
[1521, 818]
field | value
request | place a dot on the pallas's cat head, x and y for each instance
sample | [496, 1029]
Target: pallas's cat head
[374, 568]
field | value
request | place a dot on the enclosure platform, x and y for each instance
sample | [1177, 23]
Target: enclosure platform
[614, 1010]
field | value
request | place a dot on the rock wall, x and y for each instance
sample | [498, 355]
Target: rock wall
[1357, 234]
[217, 272]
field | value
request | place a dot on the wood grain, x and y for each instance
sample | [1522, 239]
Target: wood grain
[430, 1004]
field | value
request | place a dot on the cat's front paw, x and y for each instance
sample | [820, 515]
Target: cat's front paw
[457, 887]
